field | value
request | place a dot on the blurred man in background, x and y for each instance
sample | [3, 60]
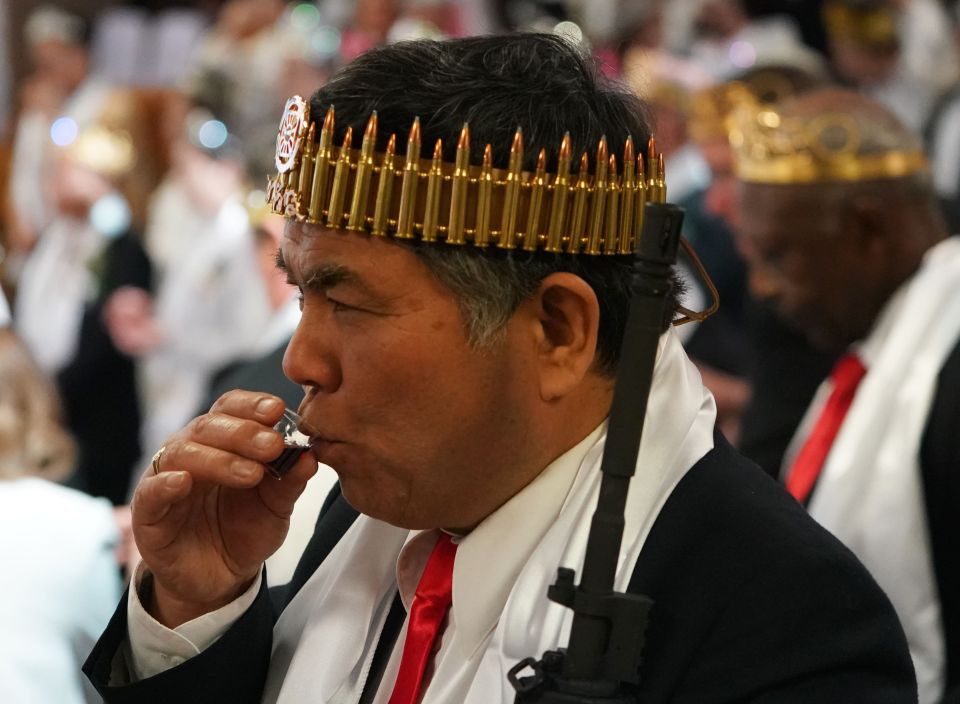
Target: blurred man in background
[845, 239]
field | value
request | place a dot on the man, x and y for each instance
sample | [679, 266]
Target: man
[846, 240]
[460, 392]
[780, 368]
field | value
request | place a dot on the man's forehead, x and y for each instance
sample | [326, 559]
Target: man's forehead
[335, 256]
[768, 201]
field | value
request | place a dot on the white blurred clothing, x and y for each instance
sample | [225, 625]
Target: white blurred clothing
[928, 49]
[60, 585]
[134, 47]
[254, 101]
[283, 321]
[928, 64]
[907, 96]
[763, 42]
[4, 311]
[211, 305]
[34, 152]
[54, 285]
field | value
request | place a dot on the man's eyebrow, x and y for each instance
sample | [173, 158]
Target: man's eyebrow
[321, 277]
[326, 276]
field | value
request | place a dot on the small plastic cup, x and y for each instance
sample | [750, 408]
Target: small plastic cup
[295, 442]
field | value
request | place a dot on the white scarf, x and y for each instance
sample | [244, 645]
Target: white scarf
[326, 637]
[870, 492]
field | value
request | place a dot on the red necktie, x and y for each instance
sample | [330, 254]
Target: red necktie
[430, 605]
[846, 375]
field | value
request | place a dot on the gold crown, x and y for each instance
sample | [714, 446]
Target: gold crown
[436, 201]
[711, 109]
[870, 26]
[772, 148]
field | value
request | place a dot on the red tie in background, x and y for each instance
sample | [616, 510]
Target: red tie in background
[846, 375]
[430, 605]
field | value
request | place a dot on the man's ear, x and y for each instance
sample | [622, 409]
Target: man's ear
[566, 319]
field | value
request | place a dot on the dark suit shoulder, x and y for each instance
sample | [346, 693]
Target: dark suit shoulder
[754, 601]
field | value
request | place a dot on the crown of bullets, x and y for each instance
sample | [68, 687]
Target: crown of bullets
[435, 201]
[772, 148]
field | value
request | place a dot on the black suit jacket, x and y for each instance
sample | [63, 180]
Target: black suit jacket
[940, 469]
[98, 386]
[754, 602]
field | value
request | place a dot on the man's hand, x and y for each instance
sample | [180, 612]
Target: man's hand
[206, 522]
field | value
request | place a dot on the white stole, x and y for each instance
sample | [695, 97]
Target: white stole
[870, 492]
[326, 637]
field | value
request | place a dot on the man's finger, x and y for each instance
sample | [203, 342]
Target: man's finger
[156, 495]
[280, 495]
[255, 405]
[240, 436]
[213, 465]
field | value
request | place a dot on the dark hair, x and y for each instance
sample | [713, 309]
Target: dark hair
[541, 83]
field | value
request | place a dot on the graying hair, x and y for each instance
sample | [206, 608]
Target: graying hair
[488, 291]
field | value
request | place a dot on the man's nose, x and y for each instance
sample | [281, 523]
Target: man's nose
[310, 360]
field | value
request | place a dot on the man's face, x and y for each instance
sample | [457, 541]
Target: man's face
[63, 64]
[720, 198]
[423, 429]
[804, 263]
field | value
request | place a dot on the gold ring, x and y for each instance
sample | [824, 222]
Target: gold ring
[155, 463]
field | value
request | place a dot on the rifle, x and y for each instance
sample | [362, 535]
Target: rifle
[601, 663]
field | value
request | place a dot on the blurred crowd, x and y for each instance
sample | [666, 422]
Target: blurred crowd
[137, 254]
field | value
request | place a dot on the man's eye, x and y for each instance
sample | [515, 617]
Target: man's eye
[341, 307]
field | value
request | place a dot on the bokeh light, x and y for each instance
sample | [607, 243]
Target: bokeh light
[305, 16]
[64, 131]
[212, 134]
[742, 54]
[110, 215]
[325, 42]
[570, 31]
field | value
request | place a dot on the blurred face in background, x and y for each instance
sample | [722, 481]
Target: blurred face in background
[811, 262]
[721, 196]
[860, 66]
[63, 65]
[719, 19]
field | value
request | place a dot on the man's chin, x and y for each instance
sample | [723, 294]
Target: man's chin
[372, 501]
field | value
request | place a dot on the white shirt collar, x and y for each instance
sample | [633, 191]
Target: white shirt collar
[481, 585]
